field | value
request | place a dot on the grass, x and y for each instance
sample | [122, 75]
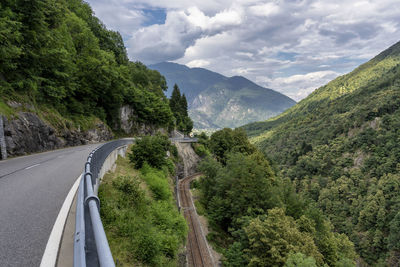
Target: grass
[199, 207]
[5, 110]
[47, 113]
[142, 223]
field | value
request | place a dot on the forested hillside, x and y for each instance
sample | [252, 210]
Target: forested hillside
[340, 148]
[58, 57]
[256, 216]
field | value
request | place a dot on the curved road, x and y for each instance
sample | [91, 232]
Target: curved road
[32, 191]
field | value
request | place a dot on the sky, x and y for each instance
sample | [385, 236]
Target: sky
[291, 46]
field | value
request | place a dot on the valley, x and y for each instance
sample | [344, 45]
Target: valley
[275, 182]
[338, 146]
[216, 101]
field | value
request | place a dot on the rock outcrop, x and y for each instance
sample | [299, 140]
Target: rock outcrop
[27, 133]
[189, 157]
[130, 124]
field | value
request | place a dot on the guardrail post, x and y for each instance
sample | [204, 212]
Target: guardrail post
[2, 140]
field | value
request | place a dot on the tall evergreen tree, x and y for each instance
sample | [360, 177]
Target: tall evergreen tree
[175, 100]
[179, 108]
[184, 105]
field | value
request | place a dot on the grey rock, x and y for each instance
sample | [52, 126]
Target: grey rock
[189, 158]
[130, 125]
[27, 133]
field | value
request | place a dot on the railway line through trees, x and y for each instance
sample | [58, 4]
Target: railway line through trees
[199, 254]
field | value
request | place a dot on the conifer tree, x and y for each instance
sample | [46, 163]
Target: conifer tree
[175, 100]
[179, 108]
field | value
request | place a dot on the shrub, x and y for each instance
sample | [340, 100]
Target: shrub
[157, 182]
[201, 150]
[151, 149]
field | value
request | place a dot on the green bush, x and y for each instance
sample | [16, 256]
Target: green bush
[157, 182]
[300, 260]
[142, 229]
[201, 150]
[151, 149]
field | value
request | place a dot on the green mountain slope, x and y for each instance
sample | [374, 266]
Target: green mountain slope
[216, 101]
[57, 56]
[341, 147]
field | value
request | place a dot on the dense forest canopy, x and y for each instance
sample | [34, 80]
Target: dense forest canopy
[256, 216]
[340, 148]
[56, 53]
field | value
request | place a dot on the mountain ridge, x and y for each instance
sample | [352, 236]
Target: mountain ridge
[216, 101]
[339, 146]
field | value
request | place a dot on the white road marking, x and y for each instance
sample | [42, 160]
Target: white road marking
[35, 165]
[50, 254]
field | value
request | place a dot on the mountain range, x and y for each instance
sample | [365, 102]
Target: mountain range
[340, 147]
[216, 101]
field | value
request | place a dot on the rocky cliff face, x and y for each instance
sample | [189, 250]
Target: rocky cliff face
[130, 125]
[189, 157]
[27, 133]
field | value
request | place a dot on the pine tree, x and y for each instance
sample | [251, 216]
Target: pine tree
[179, 108]
[175, 100]
[184, 105]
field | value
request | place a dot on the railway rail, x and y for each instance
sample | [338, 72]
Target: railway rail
[199, 253]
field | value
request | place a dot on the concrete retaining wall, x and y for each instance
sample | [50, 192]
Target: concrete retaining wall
[109, 164]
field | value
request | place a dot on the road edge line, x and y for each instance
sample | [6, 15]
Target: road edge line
[50, 254]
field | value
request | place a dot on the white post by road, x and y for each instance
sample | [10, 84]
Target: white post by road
[2, 140]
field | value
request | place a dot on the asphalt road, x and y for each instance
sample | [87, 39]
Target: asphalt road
[32, 191]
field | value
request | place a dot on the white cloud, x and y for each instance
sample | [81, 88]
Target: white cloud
[300, 85]
[198, 63]
[181, 29]
[117, 16]
[271, 42]
[168, 41]
[264, 10]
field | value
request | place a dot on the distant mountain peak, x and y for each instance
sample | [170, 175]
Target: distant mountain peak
[217, 101]
[168, 63]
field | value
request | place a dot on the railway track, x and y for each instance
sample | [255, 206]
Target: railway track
[199, 253]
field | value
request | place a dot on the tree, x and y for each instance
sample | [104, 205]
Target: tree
[300, 260]
[179, 108]
[175, 100]
[228, 140]
[244, 187]
[272, 239]
[394, 236]
[10, 49]
[150, 149]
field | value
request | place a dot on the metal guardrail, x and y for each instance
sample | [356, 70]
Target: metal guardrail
[90, 242]
[184, 140]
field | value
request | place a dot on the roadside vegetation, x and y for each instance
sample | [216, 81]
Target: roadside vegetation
[200, 148]
[138, 210]
[256, 217]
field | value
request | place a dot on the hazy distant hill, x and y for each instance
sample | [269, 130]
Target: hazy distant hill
[216, 101]
[341, 147]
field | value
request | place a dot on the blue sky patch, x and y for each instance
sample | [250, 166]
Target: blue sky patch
[154, 16]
